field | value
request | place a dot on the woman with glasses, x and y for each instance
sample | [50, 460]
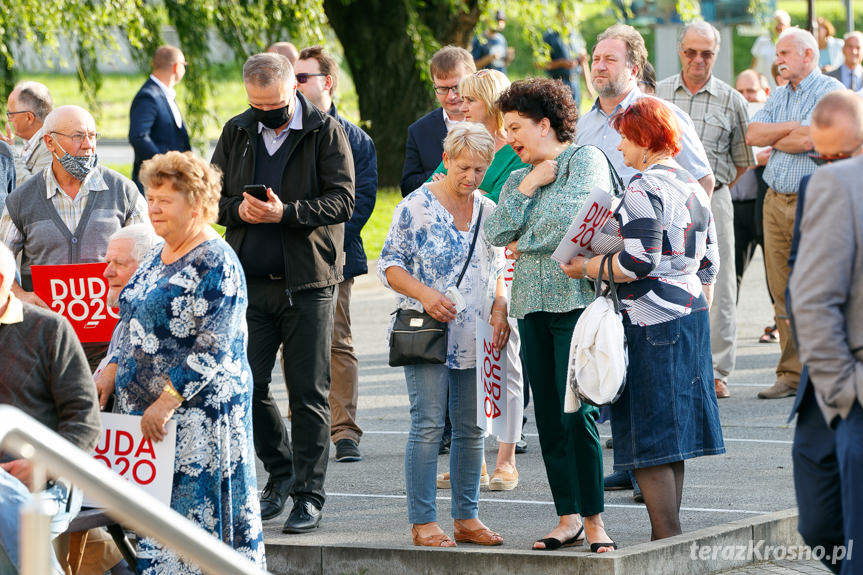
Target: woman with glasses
[667, 412]
[479, 92]
[426, 249]
[537, 205]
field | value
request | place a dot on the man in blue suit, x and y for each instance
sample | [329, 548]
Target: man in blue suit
[155, 123]
[424, 148]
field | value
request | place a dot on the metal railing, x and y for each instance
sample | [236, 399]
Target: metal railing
[22, 435]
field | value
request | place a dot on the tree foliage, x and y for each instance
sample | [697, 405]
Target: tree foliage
[387, 45]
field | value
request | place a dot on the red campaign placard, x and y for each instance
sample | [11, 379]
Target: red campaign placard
[80, 294]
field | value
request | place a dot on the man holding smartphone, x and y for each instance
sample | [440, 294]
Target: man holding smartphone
[290, 243]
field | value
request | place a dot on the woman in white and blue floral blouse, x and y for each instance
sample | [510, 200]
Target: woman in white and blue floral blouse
[423, 255]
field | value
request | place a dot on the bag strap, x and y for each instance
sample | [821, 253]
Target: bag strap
[611, 290]
[472, 245]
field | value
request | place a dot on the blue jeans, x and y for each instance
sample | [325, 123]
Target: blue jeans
[427, 389]
[62, 507]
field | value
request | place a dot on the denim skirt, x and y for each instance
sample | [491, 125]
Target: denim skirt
[667, 411]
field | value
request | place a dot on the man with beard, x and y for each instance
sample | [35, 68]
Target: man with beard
[618, 58]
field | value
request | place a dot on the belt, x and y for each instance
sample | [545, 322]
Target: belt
[717, 186]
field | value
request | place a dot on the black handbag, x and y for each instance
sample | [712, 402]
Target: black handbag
[416, 336]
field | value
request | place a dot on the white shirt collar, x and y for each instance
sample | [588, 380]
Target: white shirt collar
[449, 122]
[92, 183]
[170, 93]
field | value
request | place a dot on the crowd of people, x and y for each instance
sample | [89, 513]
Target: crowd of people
[492, 180]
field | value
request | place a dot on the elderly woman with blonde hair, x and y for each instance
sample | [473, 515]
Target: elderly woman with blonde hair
[479, 93]
[427, 247]
[184, 360]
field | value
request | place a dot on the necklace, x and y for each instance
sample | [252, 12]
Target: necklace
[460, 213]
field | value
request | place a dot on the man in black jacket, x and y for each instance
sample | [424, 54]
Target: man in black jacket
[291, 247]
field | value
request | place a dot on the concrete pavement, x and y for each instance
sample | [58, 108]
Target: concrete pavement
[726, 498]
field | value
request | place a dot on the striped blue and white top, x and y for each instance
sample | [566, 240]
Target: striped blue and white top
[669, 243]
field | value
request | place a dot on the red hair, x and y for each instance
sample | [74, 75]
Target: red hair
[651, 124]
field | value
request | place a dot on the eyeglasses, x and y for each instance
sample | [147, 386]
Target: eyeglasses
[821, 160]
[444, 90]
[78, 138]
[705, 54]
[302, 77]
[10, 114]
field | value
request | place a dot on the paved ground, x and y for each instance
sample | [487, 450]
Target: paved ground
[366, 500]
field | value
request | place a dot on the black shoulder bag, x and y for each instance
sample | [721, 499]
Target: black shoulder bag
[416, 336]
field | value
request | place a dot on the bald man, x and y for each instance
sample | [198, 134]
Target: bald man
[287, 50]
[155, 123]
[85, 203]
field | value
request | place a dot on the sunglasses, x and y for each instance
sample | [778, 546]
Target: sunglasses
[302, 77]
[823, 160]
[705, 54]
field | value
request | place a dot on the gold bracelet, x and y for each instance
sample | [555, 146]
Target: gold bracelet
[503, 313]
[169, 389]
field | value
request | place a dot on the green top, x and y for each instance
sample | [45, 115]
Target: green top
[504, 163]
[539, 223]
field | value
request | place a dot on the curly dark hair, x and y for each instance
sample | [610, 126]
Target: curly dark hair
[538, 98]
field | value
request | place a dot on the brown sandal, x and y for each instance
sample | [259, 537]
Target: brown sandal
[434, 540]
[481, 536]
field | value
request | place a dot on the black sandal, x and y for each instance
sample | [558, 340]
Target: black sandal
[552, 543]
[595, 547]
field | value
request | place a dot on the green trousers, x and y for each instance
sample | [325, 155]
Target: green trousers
[569, 441]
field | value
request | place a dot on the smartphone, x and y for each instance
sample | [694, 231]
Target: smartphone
[258, 191]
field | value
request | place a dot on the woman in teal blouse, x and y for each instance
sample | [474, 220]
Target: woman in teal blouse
[479, 92]
[537, 205]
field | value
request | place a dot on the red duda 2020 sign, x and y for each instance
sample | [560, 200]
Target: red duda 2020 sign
[79, 293]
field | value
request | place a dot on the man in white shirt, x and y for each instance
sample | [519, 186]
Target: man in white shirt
[26, 108]
[155, 123]
[850, 73]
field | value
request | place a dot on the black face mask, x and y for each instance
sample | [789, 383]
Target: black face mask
[272, 118]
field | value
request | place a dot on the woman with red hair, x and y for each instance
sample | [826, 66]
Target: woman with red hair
[665, 269]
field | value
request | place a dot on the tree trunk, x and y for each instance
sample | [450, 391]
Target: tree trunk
[382, 60]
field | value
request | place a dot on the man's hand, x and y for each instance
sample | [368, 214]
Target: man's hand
[9, 137]
[20, 469]
[254, 211]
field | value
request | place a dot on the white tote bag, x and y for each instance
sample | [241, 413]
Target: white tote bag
[597, 357]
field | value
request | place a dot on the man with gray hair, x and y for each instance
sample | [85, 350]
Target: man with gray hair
[783, 124]
[65, 214]
[288, 190]
[720, 116]
[28, 105]
[126, 249]
[850, 73]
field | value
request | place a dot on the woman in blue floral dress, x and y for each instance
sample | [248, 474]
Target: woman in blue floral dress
[184, 359]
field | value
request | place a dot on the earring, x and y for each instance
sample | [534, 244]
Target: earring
[644, 158]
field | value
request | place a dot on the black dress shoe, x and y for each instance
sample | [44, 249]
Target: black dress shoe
[304, 517]
[445, 442]
[521, 445]
[274, 496]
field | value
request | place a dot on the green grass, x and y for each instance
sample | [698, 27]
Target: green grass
[118, 90]
[376, 228]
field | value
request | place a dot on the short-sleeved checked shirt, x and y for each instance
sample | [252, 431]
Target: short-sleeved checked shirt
[784, 171]
[720, 116]
[595, 128]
